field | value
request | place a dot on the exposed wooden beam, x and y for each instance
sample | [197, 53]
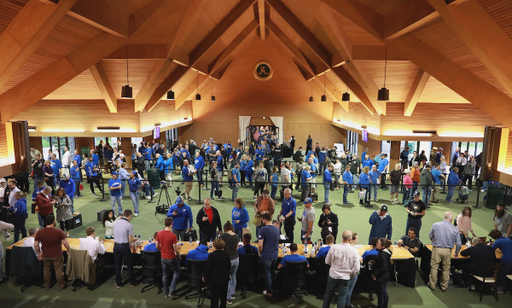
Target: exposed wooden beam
[486, 97]
[354, 86]
[263, 11]
[478, 30]
[66, 68]
[189, 90]
[415, 92]
[332, 91]
[140, 52]
[360, 14]
[376, 52]
[306, 35]
[409, 15]
[25, 33]
[98, 72]
[212, 67]
[103, 15]
[200, 50]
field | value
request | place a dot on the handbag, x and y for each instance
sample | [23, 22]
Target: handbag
[362, 194]
[256, 220]
[32, 174]
[46, 178]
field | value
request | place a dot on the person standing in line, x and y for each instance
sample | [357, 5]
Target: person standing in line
[199, 165]
[345, 265]
[231, 239]
[217, 274]
[135, 186]
[347, 181]
[268, 248]
[383, 170]
[115, 186]
[260, 180]
[415, 209]
[188, 177]
[328, 181]
[240, 217]
[123, 176]
[63, 206]
[208, 220]
[307, 221]
[426, 181]
[287, 214]
[37, 166]
[264, 204]
[374, 176]
[20, 215]
[75, 176]
[394, 179]
[453, 181]
[380, 271]
[123, 236]
[309, 144]
[167, 243]
[236, 181]
[181, 213]
[437, 176]
[443, 236]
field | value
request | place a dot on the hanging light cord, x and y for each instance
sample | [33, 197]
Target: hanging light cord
[126, 47]
[311, 88]
[324, 81]
[386, 66]
[197, 79]
[212, 86]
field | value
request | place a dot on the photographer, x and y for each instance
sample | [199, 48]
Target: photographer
[328, 222]
[181, 215]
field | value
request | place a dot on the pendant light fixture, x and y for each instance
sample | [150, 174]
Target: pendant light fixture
[213, 96]
[346, 96]
[198, 96]
[170, 95]
[383, 92]
[126, 91]
[311, 97]
[324, 98]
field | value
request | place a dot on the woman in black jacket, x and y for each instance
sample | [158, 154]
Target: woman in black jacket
[208, 220]
[380, 271]
[217, 274]
[328, 220]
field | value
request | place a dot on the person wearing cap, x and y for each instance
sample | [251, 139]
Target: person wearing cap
[328, 181]
[426, 181]
[382, 225]
[181, 214]
[116, 194]
[135, 186]
[307, 221]
[415, 210]
[437, 176]
[69, 186]
[75, 175]
[123, 177]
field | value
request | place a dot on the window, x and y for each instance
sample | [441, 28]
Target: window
[402, 146]
[427, 147]
[385, 147]
[137, 141]
[472, 148]
[412, 147]
[352, 142]
[46, 147]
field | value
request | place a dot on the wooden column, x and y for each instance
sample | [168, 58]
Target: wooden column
[126, 147]
[394, 155]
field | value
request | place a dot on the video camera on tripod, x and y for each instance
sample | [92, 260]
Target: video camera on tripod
[163, 208]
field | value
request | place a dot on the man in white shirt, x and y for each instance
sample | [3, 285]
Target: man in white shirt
[3, 186]
[29, 241]
[12, 193]
[344, 262]
[66, 161]
[93, 246]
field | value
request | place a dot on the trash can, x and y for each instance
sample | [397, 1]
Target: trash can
[495, 195]
[154, 177]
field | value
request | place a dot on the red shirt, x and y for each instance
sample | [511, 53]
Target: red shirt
[166, 239]
[209, 213]
[51, 241]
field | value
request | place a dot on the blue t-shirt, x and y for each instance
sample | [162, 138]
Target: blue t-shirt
[372, 252]
[382, 164]
[270, 236]
[134, 184]
[374, 176]
[293, 258]
[289, 205]
[505, 245]
[323, 252]
[56, 165]
[247, 250]
[327, 177]
[150, 247]
[115, 183]
[78, 159]
[95, 159]
[304, 176]
[236, 174]
[275, 179]
[184, 173]
[436, 174]
[199, 162]
[368, 163]
[347, 177]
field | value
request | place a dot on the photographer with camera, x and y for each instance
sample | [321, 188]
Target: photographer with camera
[181, 214]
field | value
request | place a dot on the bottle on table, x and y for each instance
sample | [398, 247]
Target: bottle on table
[190, 240]
[211, 244]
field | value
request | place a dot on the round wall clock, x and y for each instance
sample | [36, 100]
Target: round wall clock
[263, 71]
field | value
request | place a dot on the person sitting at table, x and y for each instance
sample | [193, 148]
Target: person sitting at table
[200, 253]
[329, 241]
[29, 241]
[152, 246]
[247, 248]
[505, 245]
[91, 244]
[372, 252]
[411, 243]
[293, 257]
[479, 255]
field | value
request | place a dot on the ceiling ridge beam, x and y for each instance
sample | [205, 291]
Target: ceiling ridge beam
[98, 72]
[414, 94]
[486, 39]
[200, 50]
[102, 15]
[408, 16]
[263, 16]
[26, 32]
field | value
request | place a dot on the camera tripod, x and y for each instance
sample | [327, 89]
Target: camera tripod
[163, 190]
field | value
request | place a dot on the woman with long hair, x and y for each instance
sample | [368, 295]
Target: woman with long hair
[63, 206]
[464, 224]
[240, 217]
[380, 271]
[108, 223]
[48, 175]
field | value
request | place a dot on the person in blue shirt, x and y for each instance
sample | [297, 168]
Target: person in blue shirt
[363, 155]
[181, 214]
[20, 215]
[91, 170]
[69, 187]
[504, 244]
[123, 176]
[95, 158]
[383, 170]
[322, 252]
[368, 162]
[274, 178]
[259, 153]
[309, 153]
[188, 177]
[168, 167]
[160, 166]
[247, 248]
[374, 178]
[77, 157]
[236, 181]
[239, 216]
[327, 180]
[243, 164]
[372, 252]
[199, 165]
[152, 245]
[135, 186]
[364, 182]
[322, 155]
[146, 153]
[56, 166]
[453, 181]
[347, 181]
[382, 224]
[288, 211]
[76, 175]
[293, 257]
[116, 194]
[437, 176]
[198, 254]
[305, 177]
[248, 170]
[220, 166]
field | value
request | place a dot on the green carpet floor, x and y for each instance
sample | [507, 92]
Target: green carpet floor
[352, 217]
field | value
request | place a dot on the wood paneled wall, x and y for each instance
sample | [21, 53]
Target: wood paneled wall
[37, 143]
[84, 142]
[356, 117]
[286, 94]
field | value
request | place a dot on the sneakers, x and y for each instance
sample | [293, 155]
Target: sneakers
[392, 201]
[174, 295]
[229, 302]
[155, 194]
[346, 202]
[254, 197]
[189, 199]
[396, 201]
[221, 198]
[136, 214]
[266, 293]
[94, 194]
[148, 197]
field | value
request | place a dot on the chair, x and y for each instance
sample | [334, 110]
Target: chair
[81, 269]
[195, 269]
[294, 277]
[151, 268]
[491, 270]
[247, 272]
[24, 264]
[322, 272]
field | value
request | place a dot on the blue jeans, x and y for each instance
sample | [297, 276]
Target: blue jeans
[485, 184]
[123, 252]
[113, 200]
[407, 193]
[135, 200]
[426, 194]
[382, 294]
[414, 186]
[374, 188]
[232, 281]
[346, 189]
[268, 266]
[234, 191]
[148, 190]
[302, 232]
[416, 223]
[123, 187]
[249, 178]
[274, 191]
[216, 187]
[170, 265]
[200, 176]
[40, 220]
[504, 270]
[350, 289]
[327, 190]
[36, 179]
[451, 190]
[332, 285]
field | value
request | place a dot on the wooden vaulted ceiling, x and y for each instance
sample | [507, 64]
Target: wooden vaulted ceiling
[437, 53]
